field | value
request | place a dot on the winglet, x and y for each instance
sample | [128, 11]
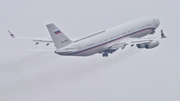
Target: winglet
[162, 34]
[12, 35]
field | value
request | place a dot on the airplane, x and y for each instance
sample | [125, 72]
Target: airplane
[104, 42]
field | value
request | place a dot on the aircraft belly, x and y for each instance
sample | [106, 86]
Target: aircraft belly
[90, 51]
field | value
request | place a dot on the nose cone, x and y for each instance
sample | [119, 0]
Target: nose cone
[156, 22]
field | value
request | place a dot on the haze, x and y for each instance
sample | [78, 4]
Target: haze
[127, 75]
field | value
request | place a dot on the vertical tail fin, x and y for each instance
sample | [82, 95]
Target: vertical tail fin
[59, 38]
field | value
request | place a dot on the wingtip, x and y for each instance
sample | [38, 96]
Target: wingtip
[12, 35]
[163, 35]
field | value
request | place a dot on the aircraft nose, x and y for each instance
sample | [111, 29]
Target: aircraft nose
[156, 22]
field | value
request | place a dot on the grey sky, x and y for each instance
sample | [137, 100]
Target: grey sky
[128, 75]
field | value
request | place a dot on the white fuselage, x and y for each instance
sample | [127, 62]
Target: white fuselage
[97, 43]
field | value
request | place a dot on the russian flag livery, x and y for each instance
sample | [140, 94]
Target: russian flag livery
[57, 31]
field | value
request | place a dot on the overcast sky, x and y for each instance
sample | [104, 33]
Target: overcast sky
[127, 75]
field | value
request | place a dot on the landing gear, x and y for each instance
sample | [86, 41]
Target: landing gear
[105, 54]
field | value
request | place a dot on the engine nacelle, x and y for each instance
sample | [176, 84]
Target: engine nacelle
[140, 45]
[152, 44]
[149, 45]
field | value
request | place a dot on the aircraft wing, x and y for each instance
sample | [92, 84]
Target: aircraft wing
[132, 41]
[140, 40]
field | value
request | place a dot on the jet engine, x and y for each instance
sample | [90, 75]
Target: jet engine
[149, 45]
[152, 44]
[140, 45]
